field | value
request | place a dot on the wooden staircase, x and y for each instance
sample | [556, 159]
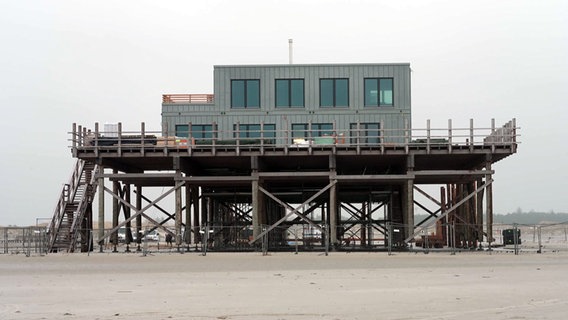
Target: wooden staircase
[68, 225]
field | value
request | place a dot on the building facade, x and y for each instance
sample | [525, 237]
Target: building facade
[296, 101]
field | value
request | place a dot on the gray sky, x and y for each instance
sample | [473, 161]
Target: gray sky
[109, 61]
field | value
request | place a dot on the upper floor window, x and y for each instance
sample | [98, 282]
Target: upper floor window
[379, 92]
[366, 133]
[245, 94]
[289, 93]
[255, 131]
[334, 93]
[198, 131]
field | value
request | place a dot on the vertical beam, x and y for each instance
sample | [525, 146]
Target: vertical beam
[333, 203]
[255, 209]
[178, 202]
[115, 209]
[479, 209]
[255, 190]
[188, 202]
[408, 199]
[196, 223]
[138, 217]
[101, 218]
[489, 202]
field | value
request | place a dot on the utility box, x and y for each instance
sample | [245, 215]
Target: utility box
[509, 236]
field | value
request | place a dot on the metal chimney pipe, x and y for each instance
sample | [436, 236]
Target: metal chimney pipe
[290, 50]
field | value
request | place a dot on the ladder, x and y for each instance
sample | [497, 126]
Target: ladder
[74, 201]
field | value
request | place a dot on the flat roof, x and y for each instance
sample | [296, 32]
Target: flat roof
[312, 65]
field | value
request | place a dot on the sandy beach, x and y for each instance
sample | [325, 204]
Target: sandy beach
[473, 285]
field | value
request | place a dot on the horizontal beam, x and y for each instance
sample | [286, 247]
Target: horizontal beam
[453, 172]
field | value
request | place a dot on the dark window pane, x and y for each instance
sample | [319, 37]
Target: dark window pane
[282, 93]
[237, 94]
[299, 130]
[371, 92]
[253, 94]
[297, 93]
[326, 92]
[341, 92]
[386, 93]
[181, 130]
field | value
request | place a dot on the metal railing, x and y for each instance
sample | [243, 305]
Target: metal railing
[23, 240]
[188, 98]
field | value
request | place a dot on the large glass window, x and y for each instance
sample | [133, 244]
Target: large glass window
[368, 133]
[254, 130]
[245, 93]
[334, 93]
[290, 93]
[379, 92]
[198, 131]
[302, 130]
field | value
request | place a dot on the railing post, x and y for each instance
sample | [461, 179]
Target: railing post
[471, 142]
[213, 137]
[143, 134]
[449, 135]
[262, 137]
[119, 139]
[74, 136]
[358, 137]
[406, 136]
[238, 136]
[428, 136]
[492, 138]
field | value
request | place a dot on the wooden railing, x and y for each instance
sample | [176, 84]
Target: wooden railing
[358, 137]
[188, 98]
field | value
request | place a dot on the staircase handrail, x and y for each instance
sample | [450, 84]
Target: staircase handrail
[64, 198]
[90, 190]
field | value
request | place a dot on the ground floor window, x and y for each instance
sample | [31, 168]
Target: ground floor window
[198, 131]
[368, 133]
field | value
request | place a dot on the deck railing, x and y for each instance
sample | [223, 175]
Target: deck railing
[311, 137]
[188, 98]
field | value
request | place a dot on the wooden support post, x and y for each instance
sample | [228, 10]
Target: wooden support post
[408, 200]
[479, 209]
[489, 203]
[115, 209]
[196, 210]
[333, 204]
[188, 203]
[101, 218]
[178, 214]
[138, 217]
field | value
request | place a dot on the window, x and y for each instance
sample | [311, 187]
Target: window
[334, 93]
[302, 130]
[368, 133]
[253, 130]
[290, 93]
[245, 94]
[198, 131]
[379, 92]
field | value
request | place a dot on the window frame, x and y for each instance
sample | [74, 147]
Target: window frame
[378, 87]
[247, 129]
[289, 93]
[245, 94]
[364, 127]
[201, 132]
[334, 93]
[308, 132]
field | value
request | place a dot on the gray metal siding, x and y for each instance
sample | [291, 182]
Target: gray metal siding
[221, 112]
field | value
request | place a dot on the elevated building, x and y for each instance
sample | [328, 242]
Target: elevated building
[308, 156]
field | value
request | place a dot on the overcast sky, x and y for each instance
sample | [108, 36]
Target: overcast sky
[108, 61]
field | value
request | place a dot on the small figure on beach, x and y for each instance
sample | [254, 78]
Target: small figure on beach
[169, 238]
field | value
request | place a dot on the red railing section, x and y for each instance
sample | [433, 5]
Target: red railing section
[188, 98]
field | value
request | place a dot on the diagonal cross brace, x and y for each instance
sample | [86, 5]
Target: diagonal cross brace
[141, 211]
[450, 210]
[293, 211]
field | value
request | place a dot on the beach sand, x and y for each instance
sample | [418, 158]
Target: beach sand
[472, 285]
